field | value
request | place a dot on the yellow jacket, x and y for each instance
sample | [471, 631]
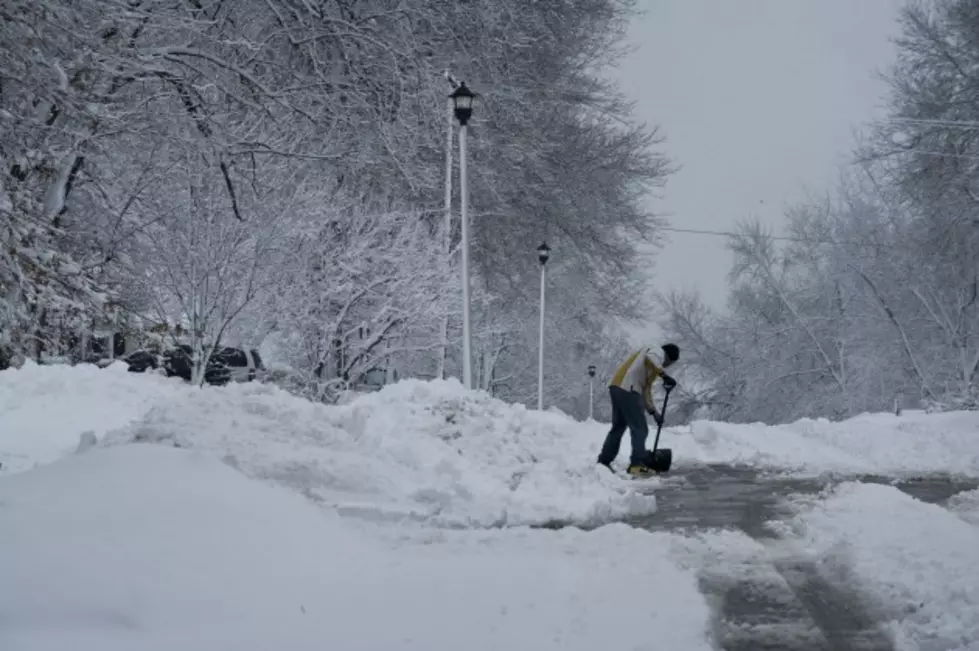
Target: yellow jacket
[638, 373]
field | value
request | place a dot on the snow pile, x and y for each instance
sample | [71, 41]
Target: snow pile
[912, 443]
[44, 410]
[966, 506]
[427, 451]
[916, 560]
[148, 547]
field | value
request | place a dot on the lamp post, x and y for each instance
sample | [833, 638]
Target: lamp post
[543, 254]
[591, 391]
[447, 239]
[462, 101]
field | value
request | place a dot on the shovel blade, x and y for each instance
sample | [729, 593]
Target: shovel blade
[661, 459]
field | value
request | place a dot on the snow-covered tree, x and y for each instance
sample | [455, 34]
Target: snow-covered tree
[362, 289]
[134, 134]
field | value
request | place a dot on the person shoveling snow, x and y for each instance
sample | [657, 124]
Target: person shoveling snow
[631, 394]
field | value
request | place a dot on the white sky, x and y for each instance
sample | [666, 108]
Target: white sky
[759, 101]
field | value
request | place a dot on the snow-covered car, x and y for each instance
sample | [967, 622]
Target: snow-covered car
[140, 361]
[228, 364]
[239, 364]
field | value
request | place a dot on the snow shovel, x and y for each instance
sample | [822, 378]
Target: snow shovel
[660, 460]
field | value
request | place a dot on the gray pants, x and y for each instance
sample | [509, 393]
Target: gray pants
[629, 411]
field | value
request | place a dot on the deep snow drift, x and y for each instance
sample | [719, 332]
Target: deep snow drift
[148, 547]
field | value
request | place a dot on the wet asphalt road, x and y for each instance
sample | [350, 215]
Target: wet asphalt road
[772, 601]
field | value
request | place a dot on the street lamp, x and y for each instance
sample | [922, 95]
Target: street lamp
[447, 235]
[462, 102]
[543, 254]
[591, 391]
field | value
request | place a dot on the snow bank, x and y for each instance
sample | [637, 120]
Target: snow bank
[426, 451]
[917, 560]
[149, 547]
[45, 409]
[914, 443]
[966, 506]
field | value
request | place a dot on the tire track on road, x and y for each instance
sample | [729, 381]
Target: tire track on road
[774, 597]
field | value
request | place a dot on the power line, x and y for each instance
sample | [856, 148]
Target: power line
[942, 124]
[783, 238]
[961, 124]
[937, 153]
[955, 124]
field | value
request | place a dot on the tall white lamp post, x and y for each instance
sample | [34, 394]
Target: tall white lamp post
[591, 392]
[447, 241]
[462, 99]
[543, 254]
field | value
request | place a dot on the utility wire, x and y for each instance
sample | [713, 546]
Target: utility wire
[783, 238]
[943, 124]
[960, 124]
[937, 153]
[955, 124]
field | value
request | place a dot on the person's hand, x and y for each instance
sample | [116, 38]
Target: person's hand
[668, 382]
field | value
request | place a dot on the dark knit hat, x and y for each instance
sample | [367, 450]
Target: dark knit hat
[672, 352]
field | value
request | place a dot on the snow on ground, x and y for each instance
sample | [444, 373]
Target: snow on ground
[45, 409]
[425, 451]
[913, 443]
[917, 561]
[147, 546]
[150, 547]
[430, 451]
[966, 506]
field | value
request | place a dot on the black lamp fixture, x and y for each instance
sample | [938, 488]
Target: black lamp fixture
[591, 370]
[543, 253]
[462, 101]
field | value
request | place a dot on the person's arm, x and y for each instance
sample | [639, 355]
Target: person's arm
[652, 372]
[648, 399]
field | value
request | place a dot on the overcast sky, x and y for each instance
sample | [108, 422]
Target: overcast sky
[758, 100]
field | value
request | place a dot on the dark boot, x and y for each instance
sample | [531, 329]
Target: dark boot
[640, 470]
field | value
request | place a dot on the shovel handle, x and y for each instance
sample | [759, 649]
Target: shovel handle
[662, 417]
